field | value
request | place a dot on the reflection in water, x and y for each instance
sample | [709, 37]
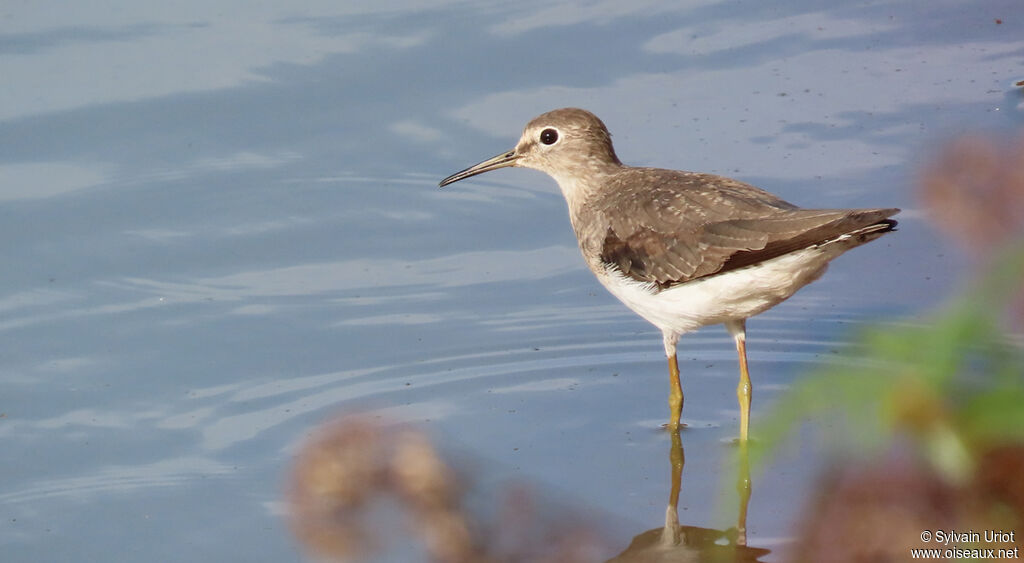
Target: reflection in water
[674, 542]
[354, 474]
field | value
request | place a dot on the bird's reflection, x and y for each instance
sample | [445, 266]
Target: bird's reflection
[352, 469]
[674, 542]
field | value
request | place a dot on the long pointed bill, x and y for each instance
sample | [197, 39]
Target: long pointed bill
[501, 161]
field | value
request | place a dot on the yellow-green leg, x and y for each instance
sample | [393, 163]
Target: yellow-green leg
[744, 390]
[675, 394]
[675, 387]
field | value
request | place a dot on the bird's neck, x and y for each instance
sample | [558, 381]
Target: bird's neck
[578, 188]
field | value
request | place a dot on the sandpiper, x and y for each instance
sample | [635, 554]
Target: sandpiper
[683, 249]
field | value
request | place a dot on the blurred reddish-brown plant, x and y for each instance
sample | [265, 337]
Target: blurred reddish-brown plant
[974, 191]
[351, 466]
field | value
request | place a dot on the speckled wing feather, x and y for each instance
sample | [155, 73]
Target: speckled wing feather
[682, 226]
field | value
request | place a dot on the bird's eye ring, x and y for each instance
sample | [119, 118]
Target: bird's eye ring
[549, 136]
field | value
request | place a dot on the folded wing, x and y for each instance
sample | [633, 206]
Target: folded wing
[687, 231]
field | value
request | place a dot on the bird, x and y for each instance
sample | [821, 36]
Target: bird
[683, 249]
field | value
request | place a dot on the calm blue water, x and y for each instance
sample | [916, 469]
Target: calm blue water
[220, 226]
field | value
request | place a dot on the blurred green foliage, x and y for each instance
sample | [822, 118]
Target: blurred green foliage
[950, 386]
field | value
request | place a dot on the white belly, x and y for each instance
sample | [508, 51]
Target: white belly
[734, 295]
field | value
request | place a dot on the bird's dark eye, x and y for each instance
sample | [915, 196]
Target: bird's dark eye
[548, 136]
